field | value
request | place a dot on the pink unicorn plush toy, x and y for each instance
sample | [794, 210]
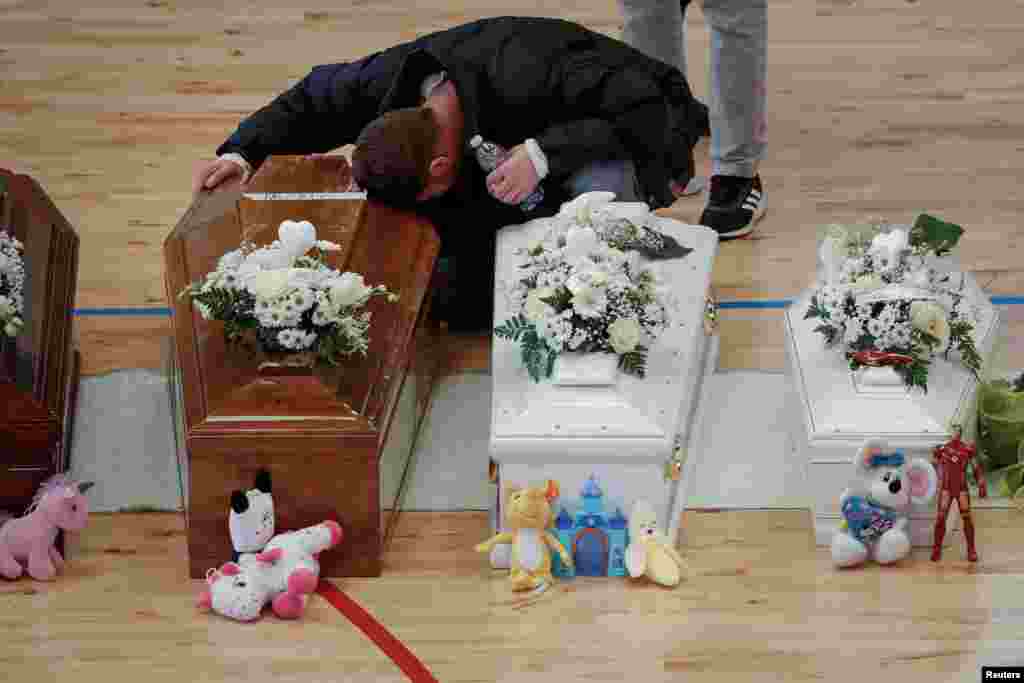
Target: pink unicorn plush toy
[27, 543]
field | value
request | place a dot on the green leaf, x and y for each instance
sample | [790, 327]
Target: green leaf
[634, 362]
[1013, 479]
[940, 236]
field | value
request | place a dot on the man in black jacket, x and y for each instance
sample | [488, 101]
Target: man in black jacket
[577, 110]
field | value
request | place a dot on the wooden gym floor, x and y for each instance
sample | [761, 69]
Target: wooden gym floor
[876, 109]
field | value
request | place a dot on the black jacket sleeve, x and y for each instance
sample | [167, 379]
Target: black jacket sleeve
[561, 144]
[325, 110]
[620, 113]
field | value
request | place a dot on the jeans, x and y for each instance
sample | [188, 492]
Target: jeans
[738, 69]
[618, 176]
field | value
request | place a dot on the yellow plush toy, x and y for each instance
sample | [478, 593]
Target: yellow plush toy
[650, 553]
[528, 515]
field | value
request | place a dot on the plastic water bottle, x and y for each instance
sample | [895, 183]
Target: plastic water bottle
[490, 155]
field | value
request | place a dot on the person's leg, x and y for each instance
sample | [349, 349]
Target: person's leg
[738, 71]
[618, 176]
[656, 28]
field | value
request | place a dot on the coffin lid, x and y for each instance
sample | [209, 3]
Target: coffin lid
[222, 391]
[636, 419]
[833, 410]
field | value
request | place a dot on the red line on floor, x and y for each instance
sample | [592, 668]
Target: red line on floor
[412, 667]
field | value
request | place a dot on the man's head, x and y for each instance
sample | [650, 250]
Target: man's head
[399, 157]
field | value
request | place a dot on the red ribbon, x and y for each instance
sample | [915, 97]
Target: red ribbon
[880, 358]
[413, 668]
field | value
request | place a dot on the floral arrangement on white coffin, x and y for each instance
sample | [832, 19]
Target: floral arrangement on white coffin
[292, 301]
[890, 301]
[12, 283]
[584, 289]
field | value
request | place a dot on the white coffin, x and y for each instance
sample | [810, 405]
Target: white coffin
[832, 415]
[625, 433]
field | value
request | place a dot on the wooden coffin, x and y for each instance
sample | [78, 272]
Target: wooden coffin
[39, 368]
[336, 443]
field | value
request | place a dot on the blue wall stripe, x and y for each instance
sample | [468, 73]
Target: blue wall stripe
[741, 305]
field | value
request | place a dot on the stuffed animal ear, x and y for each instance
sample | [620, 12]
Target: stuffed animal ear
[263, 481]
[923, 479]
[239, 502]
[230, 569]
[551, 492]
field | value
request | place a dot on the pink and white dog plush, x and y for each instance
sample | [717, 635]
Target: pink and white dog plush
[876, 506]
[283, 574]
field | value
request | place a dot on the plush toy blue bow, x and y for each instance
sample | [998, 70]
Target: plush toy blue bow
[894, 459]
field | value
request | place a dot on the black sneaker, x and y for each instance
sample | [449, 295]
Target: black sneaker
[734, 205]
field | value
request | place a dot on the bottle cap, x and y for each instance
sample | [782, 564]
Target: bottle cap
[475, 141]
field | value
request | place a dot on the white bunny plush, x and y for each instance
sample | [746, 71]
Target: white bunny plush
[875, 507]
[650, 553]
[283, 574]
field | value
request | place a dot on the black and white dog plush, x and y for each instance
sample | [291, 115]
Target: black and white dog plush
[251, 520]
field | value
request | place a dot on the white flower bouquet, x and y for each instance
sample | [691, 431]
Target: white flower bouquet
[291, 301]
[578, 293]
[885, 299]
[12, 283]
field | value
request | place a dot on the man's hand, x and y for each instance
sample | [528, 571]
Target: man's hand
[216, 174]
[513, 180]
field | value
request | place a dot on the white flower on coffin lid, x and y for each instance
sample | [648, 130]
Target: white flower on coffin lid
[930, 317]
[636, 213]
[297, 237]
[348, 290]
[589, 302]
[269, 284]
[624, 335]
[580, 208]
[535, 309]
[581, 243]
[889, 247]
[866, 283]
[266, 258]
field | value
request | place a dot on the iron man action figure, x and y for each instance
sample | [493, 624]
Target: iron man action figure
[951, 459]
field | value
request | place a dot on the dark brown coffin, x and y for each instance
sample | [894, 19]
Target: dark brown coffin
[39, 368]
[322, 437]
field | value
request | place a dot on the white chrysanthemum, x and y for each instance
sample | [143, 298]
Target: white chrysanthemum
[901, 336]
[297, 340]
[876, 328]
[852, 332]
[324, 245]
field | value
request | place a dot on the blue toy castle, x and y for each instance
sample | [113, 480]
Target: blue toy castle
[596, 541]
